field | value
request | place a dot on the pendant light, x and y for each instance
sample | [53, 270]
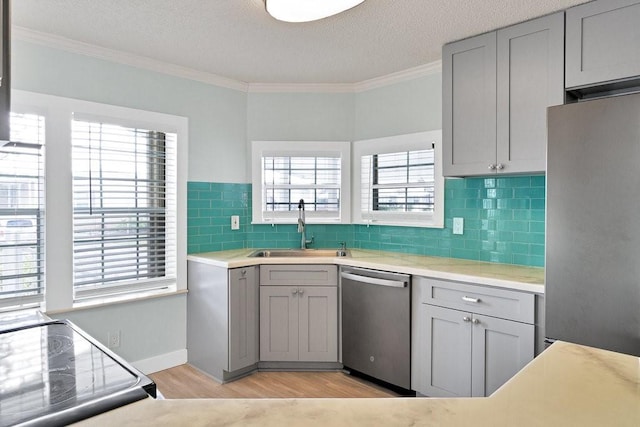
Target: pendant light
[307, 10]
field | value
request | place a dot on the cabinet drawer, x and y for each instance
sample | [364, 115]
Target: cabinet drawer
[299, 275]
[502, 303]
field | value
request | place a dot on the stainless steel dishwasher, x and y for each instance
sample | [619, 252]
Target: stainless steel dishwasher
[376, 324]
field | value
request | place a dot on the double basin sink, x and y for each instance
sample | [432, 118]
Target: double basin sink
[276, 253]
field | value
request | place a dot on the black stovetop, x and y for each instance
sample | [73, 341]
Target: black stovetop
[53, 373]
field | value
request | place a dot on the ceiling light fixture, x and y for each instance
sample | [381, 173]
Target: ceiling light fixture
[307, 10]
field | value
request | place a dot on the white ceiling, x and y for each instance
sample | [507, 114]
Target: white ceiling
[236, 39]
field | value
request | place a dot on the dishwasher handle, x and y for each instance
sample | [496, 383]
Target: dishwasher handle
[374, 280]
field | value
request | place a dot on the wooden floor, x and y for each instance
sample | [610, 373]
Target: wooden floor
[186, 382]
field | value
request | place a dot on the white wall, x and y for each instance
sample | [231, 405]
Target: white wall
[148, 328]
[405, 107]
[217, 116]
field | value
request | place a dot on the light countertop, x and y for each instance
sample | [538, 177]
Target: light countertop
[567, 385]
[530, 279]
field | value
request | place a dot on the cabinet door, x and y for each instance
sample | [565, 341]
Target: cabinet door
[530, 78]
[469, 106]
[243, 317]
[208, 318]
[318, 324]
[501, 348]
[602, 42]
[447, 361]
[279, 323]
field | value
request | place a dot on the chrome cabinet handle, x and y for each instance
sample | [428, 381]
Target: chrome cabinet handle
[475, 321]
[466, 319]
[499, 166]
[469, 299]
[301, 292]
[492, 167]
[294, 292]
[243, 272]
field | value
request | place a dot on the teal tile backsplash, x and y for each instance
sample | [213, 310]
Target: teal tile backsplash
[503, 222]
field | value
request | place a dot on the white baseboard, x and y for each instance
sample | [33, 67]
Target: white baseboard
[161, 362]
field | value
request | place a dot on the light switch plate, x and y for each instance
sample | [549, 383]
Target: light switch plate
[458, 225]
[235, 222]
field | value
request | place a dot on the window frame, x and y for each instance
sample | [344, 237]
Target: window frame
[340, 149]
[98, 288]
[393, 144]
[58, 113]
[18, 300]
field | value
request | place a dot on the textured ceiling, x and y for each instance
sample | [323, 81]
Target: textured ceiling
[236, 39]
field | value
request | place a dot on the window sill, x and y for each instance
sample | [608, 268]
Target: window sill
[400, 224]
[119, 299]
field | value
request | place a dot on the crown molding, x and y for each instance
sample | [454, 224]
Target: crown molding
[400, 76]
[98, 52]
[300, 88]
[73, 46]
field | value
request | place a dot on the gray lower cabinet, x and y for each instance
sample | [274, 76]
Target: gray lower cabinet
[298, 323]
[602, 42]
[222, 319]
[496, 89]
[243, 317]
[457, 349]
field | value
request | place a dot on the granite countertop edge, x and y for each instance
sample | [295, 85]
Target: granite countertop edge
[505, 276]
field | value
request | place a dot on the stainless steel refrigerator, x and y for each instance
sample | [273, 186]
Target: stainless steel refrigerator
[592, 291]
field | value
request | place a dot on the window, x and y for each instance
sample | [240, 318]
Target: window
[124, 205]
[286, 172]
[399, 180]
[22, 213]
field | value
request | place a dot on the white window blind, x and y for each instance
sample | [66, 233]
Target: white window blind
[286, 180]
[22, 213]
[124, 208]
[398, 182]
[285, 172]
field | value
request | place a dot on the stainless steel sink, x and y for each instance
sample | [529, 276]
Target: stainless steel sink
[275, 253]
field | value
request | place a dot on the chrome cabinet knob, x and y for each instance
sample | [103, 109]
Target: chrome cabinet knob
[294, 292]
[492, 167]
[301, 292]
[466, 319]
[243, 272]
[499, 166]
[475, 321]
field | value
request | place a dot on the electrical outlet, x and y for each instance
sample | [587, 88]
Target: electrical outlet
[235, 222]
[458, 225]
[113, 339]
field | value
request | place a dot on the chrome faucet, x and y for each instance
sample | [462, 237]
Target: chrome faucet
[302, 226]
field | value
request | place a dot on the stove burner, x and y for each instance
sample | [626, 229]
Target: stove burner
[58, 344]
[52, 374]
[62, 387]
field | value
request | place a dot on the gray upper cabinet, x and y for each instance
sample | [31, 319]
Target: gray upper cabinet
[530, 79]
[469, 105]
[496, 89]
[602, 42]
